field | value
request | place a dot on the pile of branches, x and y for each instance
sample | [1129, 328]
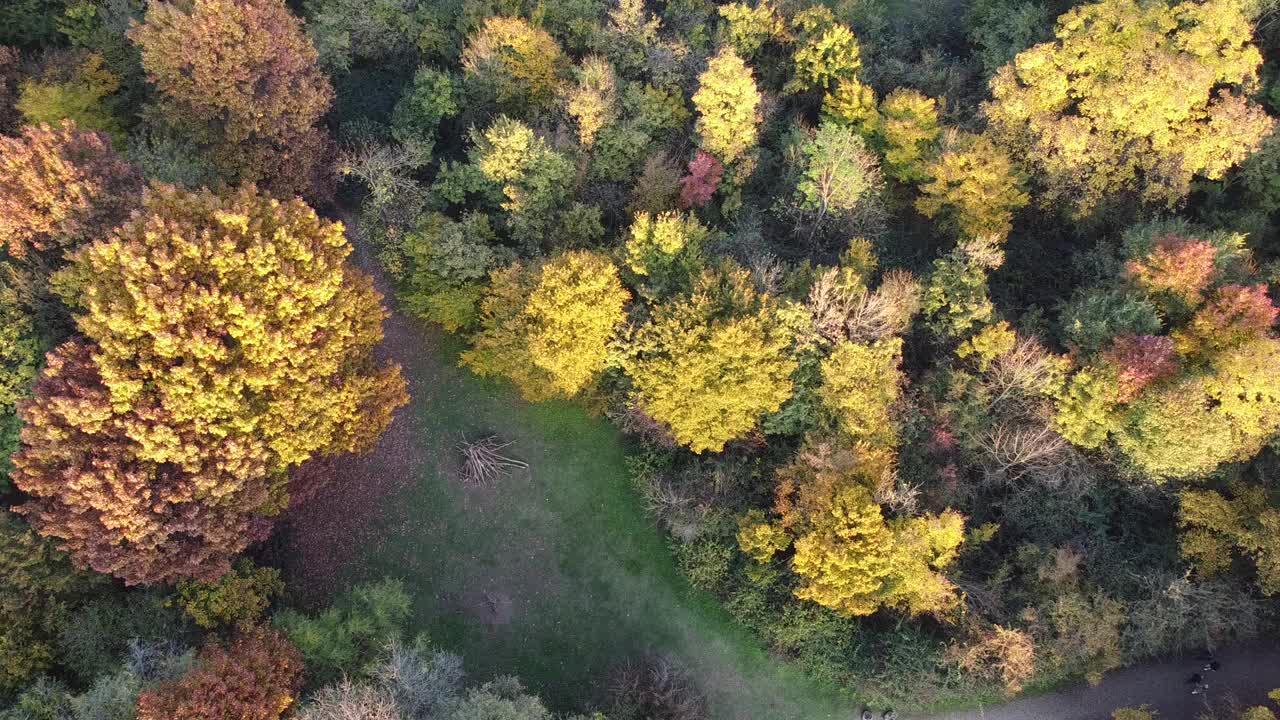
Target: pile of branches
[483, 462]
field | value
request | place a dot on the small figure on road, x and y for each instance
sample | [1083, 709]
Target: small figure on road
[1195, 679]
[1212, 665]
[1200, 688]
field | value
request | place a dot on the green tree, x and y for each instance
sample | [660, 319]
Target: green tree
[236, 600]
[78, 94]
[956, 299]
[711, 365]
[665, 251]
[39, 588]
[838, 174]
[500, 699]
[416, 118]
[448, 262]
[535, 179]
[350, 633]
[19, 360]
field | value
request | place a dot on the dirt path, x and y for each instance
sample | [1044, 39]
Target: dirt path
[1247, 674]
[557, 575]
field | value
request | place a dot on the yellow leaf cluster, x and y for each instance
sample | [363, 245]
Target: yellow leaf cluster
[1134, 96]
[711, 365]
[1215, 525]
[908, 127]
[976, 187]
[549, 330]
[522, 60]
[728, 107]
[860, 384]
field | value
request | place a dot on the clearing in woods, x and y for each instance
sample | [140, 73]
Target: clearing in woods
[554, 574]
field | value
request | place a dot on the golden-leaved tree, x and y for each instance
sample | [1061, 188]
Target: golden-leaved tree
[1133, 97]
[224, 340]
[712, 364]
[240, 78]
[728, 107]
[849, 556]
[549, 329]
[520, 62]
[1216, 526]
[975, 187]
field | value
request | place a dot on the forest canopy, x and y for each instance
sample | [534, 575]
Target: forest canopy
[940, 336]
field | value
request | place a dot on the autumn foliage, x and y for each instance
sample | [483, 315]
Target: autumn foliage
[255, 677]
[225, 340]
[240, 78]
[1134, 98]
[61, 187]
[710, 365]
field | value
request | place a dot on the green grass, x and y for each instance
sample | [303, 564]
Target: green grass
[591, 578]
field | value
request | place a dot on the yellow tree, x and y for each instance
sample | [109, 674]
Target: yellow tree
[711, 365]
[225, 340]
[522, 62]
[1133, 97]
[1215, 525]
[747, 29]
[848, 556]
[827, 54]
[854, 104]
[549, 330]
[728, 107]
[592, 101]
[860, 384]
[908, 129]
[975, 187]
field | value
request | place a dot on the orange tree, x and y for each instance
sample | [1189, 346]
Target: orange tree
[255, 677]
[225, 340]
[60, 187]
[240, 78]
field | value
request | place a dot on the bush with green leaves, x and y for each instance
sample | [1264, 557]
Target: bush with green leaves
[447, 264]
[432, 97]
[347, 636]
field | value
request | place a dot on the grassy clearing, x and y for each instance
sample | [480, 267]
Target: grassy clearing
[590, 580]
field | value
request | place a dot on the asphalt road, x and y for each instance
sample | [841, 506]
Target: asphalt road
[1248, 674]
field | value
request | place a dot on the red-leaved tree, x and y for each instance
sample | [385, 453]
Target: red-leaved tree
[700, 184]
[1141, 360]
